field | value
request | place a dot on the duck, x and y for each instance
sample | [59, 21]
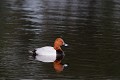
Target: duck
[58, 66]
[50, 53]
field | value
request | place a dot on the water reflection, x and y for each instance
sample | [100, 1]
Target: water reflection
[51, 54]
[91, 27]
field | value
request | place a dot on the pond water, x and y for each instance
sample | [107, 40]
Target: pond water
[90, 27]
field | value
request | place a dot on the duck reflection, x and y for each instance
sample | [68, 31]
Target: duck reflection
[51, 54]
[58, 66]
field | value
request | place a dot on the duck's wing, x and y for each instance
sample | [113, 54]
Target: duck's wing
[46, 54]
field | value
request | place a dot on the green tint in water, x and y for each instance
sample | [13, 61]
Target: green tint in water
[90, 27]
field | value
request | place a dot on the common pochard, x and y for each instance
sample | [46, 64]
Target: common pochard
[49, 53]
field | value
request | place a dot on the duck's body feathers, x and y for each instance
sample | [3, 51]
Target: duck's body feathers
[45, 54]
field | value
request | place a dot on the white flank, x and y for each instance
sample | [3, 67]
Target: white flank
[46, 54]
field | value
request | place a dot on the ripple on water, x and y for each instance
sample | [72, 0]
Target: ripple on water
[90, 27]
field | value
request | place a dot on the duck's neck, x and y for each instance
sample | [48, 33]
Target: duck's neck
[56, 47]
[58, 66]
[57, 62]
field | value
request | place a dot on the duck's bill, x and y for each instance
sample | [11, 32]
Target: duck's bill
[65, 65]
[65, 44]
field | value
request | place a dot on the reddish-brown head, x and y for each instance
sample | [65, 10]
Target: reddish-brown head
[58, 66]
[59, 42]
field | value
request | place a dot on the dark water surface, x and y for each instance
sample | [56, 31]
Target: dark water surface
[90, 27]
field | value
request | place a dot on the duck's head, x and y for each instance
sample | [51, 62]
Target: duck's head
[58, 66]
[58, 43]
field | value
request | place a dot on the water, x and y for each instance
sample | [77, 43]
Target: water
[90, 27]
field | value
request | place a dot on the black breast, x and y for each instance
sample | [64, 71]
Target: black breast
[60, 55]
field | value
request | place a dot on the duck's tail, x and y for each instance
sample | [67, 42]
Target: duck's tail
[33, 52]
